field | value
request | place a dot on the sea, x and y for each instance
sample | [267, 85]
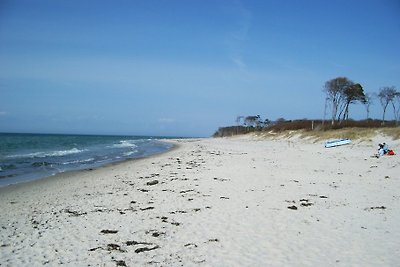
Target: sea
[26, 157]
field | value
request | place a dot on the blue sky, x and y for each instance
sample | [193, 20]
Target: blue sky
[186, 67]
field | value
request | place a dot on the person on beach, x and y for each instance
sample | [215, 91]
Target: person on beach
[385, 148]
[381, 151]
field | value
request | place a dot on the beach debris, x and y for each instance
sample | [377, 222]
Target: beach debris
[213, 240]
[101, 209]
[120, 263]
[157, 234]
[74, 212]
[94, 249]
[293, 207]
[145, 249]
[165, 220]
[134, 243]
[113, 247]
[224, 197]
[376, 208]
[154, 233]
[35, 223]
[186, 191]
[323, 196]
[178, 211]
[220, 179]
[305, 202]
[106, 231]
[191, 245]
[110, 247]
[154, 182]
[148, 208]
[143, 190]
[129, 183]
[333, 185]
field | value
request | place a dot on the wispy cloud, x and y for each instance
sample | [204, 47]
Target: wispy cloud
[239, 35]
[3, 113]
[238, 61]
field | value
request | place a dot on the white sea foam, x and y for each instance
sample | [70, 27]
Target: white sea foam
[130, 153]
[58, 153]
[78, 161]
[125, 143]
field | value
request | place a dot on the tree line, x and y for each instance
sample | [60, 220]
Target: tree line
[341, 92]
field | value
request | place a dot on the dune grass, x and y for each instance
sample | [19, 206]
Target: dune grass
[361, 134]
[318, 130]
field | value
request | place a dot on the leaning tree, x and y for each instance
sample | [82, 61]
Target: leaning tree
[352, 94]
[387, 95]
[368, 101]
[341, 92]
[252, 121]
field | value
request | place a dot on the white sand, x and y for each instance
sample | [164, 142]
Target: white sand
[218, 202]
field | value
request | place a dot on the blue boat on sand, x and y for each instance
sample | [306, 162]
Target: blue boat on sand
[337, 142]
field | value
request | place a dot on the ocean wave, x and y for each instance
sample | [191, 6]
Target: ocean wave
[5, 167]
[125, 143]
[41, 164]
[130, 153]
[58, 153]
[78, 161]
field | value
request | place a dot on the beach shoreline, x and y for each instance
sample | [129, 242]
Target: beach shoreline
[241, 201]
[72, 172]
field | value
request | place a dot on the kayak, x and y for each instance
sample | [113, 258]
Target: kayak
[337, 142]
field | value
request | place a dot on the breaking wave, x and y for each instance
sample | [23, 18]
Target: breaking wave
[125, 143]
[58, 153]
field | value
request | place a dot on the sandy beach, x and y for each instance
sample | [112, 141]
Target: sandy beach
[243, 201]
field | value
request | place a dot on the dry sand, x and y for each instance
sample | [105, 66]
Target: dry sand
[213, 202]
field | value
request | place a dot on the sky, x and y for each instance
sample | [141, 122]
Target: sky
[185, 68]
